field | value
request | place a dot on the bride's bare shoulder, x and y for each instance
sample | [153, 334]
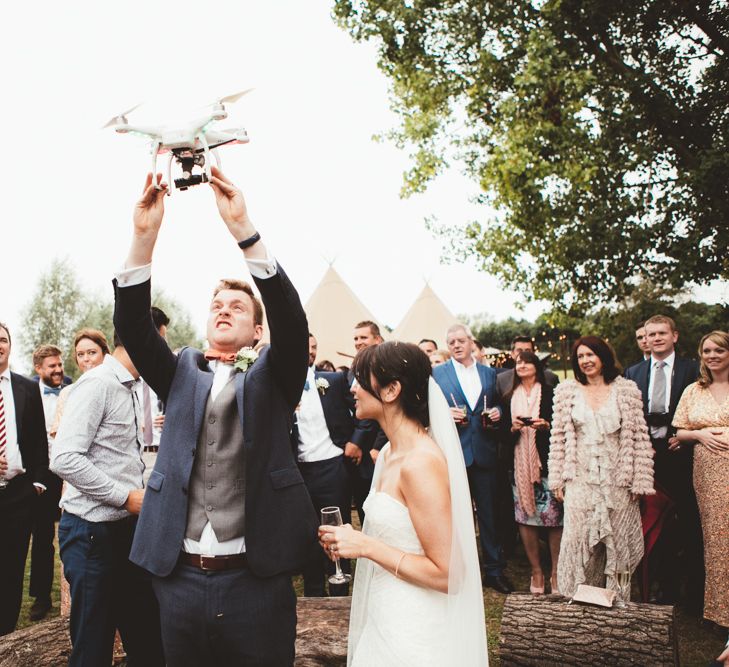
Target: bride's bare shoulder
[425, 458]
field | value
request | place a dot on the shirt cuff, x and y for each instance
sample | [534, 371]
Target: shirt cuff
[40, 486]
[262, 268]
[135, 276]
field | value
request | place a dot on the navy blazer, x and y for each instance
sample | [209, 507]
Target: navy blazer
[30, 423]
[685, 372]
[338, 405]
[479, 445]
[281, 524]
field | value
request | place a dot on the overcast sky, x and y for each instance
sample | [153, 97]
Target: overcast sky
[318, 188]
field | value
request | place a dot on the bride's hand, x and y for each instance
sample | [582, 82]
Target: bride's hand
[343, 541]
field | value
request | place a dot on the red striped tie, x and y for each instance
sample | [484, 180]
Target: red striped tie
[3, 434]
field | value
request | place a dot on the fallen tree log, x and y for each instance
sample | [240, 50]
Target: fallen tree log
[546, 630]
[45, 644]
[321, 638]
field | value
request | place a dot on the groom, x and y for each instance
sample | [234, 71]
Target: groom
[226, 516]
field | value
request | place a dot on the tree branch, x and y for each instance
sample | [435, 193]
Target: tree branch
[718, 39]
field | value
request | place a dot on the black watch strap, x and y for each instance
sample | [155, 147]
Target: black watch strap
[251, 240]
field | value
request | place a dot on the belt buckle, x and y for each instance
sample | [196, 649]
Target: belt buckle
[203, 559]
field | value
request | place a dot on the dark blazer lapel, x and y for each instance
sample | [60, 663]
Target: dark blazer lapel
[678, 381]
[643, 378]
[324, 399]
[203, 384]
[240, 385]
[19, 400]
[456, 385]
[484, 388]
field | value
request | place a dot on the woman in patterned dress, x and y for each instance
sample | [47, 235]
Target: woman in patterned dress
[600, 462]
[528, 408]
[702, 420]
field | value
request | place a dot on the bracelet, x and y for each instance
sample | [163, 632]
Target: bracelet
[397, 567]
[251, 240]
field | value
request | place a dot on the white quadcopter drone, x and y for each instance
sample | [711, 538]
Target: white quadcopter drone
[190, 145]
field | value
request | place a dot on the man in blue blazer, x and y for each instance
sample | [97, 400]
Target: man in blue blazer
[470, 389]
[225, 517]
[678, 553]
[323, 427]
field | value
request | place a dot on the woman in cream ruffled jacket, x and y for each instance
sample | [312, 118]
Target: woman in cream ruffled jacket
[600, 462]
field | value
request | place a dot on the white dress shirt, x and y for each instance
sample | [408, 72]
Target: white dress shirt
[315, 443]
[50, 401]
[208, 544]
[669, 361]
[470, 382]
[12, 449]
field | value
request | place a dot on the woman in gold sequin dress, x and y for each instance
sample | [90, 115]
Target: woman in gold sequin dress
[702, 420]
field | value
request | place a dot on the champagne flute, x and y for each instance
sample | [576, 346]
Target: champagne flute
[331, 516]
[622, 579]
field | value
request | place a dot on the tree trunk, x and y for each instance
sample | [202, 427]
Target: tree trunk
[44, 644]
[321, 638]
[545, 630]
[321, 633]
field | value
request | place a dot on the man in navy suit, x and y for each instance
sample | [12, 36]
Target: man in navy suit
[470, 389]
[323, 428]
[226, 516]
[23, 470]
[662, 379]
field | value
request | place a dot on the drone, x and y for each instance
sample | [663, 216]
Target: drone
[190, 145]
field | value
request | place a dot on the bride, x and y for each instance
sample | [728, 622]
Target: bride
[417, 592]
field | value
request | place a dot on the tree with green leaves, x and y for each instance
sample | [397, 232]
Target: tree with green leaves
[596, 130]
[60, 307]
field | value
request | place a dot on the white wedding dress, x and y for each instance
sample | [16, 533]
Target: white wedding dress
[397, 624]
[405, 624]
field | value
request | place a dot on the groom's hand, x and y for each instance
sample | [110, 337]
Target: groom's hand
[231, 205]
[150, 209]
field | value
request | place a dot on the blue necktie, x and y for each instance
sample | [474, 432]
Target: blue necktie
[51, 390]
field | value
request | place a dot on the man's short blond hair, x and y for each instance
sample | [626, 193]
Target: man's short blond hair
[43, 352]
[458, 327]
[661, 319]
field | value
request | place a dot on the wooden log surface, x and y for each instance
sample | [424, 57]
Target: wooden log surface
[546, 630]
[321, 638]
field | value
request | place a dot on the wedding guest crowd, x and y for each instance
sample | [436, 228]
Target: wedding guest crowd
[612, 470]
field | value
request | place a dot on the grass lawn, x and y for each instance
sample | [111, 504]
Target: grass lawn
[697, 644]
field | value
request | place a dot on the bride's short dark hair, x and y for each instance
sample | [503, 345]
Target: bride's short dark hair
[403, 362]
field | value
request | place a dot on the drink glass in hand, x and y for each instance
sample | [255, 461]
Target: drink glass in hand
[3, 481]
[486, 421]
[331, 516]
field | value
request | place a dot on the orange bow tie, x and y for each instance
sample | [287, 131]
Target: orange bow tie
[217, 355]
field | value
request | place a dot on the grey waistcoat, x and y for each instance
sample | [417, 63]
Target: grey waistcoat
[217, 483]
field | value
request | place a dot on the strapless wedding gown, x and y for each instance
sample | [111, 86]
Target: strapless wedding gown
[404, 624]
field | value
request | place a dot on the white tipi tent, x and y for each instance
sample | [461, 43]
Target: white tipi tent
[333, 310]
[428, 317]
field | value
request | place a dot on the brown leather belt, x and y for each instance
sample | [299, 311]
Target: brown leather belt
[215, 563]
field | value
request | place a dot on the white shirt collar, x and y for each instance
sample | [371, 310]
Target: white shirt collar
[458, 365]
[668, 361]
[6, 373]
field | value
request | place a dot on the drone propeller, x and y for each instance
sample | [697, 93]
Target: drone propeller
[229, 99]
[121, 117]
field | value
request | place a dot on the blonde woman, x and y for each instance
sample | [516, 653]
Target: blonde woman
[702, 420]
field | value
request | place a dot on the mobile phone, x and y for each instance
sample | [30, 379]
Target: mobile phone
[525, 420]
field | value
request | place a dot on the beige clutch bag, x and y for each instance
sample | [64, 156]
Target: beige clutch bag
[594, 595]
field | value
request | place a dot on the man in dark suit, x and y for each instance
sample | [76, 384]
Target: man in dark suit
[368, 438]
[323, 428]
[662, 379]
[470, 389]
[48, 365]
[226, 515]
[23, 469]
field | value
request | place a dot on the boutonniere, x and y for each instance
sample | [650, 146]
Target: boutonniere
[245, 358]
[322, 384]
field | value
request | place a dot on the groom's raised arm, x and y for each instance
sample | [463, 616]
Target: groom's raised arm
[288, 328]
